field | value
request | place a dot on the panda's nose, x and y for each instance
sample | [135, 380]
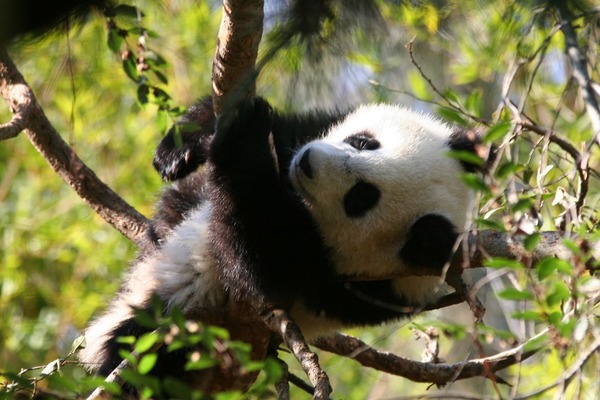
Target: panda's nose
[305, 164]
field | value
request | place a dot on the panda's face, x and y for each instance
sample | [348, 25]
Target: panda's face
[372, 176]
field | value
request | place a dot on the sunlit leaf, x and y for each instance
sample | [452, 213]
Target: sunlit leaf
[515, 294]
[147, 362]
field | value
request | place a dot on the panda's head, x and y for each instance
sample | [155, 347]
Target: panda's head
[372, 176]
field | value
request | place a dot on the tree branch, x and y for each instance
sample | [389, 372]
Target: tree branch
[240, 32]
[440, 374]
[61, 157]
[280, 322]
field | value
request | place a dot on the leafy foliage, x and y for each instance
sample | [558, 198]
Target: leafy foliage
[115, 84]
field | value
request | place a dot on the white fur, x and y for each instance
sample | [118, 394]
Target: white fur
[413, 173]
[181, 272]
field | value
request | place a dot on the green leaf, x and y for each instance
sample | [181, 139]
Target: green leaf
[489, 224]
[161, 97]
[123, 10]
[531, 241]
[466, 156]
[452, 115]
[219, 332]
[161, 77]
[523, 204]
[162, 118]
[547, 266]
[515, 294]
[537, 343]
[418, 85]
[126, 339]
[529, 315]
[473, 103]
[559, 293]
[146, 341]
[114, 41]
[188, 126]
[500, 262]
[497, 132]
[130, 68]
[475, 183]
[142, 93]
[508, 169]
[203, 363]
[78, 343]
[147, 362]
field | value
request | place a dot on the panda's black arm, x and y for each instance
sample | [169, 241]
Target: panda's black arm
[182, 151]
[256, 225]
[185, 147]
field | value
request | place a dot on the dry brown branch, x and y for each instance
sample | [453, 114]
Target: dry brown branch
[440, 374]
[61, 157]
[237, 50]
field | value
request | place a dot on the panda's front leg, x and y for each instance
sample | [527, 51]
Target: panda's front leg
[252, 210]
[240, 147]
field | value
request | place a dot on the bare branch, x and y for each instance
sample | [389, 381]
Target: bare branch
[581, 162]
[280, 322]
[569, 374]
[61, 157]
[237, 49]
[440, 374]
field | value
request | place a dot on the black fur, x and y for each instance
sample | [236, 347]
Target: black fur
[185, 147]
[175, 204]
[361, 198]
[469, 140]
[430, 242]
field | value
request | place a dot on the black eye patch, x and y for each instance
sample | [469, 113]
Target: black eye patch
[360, 199]
[363, 141]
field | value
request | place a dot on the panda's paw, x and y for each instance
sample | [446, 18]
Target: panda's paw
[250, 120]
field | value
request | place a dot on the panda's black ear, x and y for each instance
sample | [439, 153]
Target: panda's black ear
[185, 147]
[429, 243]
[468, 140]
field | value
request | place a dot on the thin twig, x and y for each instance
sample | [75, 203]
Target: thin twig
[568, 375]
[280, 322]
[581, 162]
[450, 103]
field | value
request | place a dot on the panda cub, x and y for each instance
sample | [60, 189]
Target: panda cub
[289, 223]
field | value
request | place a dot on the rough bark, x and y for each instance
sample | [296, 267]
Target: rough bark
[233, 74]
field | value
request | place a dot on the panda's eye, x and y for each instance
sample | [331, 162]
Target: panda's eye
[363, 141]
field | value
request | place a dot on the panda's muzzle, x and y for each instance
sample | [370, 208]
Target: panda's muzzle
[304, 164]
